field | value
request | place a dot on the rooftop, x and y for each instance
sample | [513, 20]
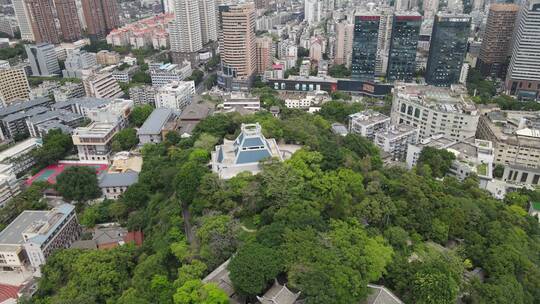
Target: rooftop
[368, 117]
[452, 100]
[279, 294]
[36, 225]
[123, 179]
[397, 131]
[155, 122]
[95, 129]
[17, 149]
[437, 141]
[381, 295]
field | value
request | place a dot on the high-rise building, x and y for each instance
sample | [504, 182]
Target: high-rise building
[237, 45]
[186, 35]
[312, 11]
[42, 21]
[344, 42]
[101, 17]
[264, 54]
[208, 17]
[13, 85]
[66, 11]
[383, 40]
[175, 95]
[403, 44]
[23, 19]
[43, 59]
[496, 44]
[523, 78]
[366, 34]
[447, 49]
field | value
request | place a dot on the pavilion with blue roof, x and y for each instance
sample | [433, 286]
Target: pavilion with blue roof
[244, 153]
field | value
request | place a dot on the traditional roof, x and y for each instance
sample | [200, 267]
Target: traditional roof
[381, 295]
[279, 294]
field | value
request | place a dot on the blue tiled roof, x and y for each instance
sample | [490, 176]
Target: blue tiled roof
[252, 156]
[253, 142]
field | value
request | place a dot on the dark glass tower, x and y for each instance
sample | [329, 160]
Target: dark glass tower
[366, 34]
[403, 44]
[447, 49]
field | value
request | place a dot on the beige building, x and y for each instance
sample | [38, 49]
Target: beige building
[515, 136]
[94, 142]
[102, 85]
[264, 54]
[344, 42]
[105, 57]
[13, 85]
[237, 43]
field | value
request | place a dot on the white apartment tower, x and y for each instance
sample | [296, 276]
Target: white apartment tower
[523, 78]
[186, 27]
[208, 16]
[23, 19]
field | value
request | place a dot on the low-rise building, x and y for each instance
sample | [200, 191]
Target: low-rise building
[105, 57]
[368, 123]
[94, 142]
[435, 110]
[9, 184]
[241, 100]
[35, 235]
[437, 141]
[68, 90]
[40, 125]
[176, 95]
[515, 136]
[163, 74]
[18, 108]
[521, 175]
[473, 156]
[145, 94]
[191, 116]
[19, 156]
[244, 153]
[102, 85]
[396, 139]
[112, 185]
[15, 124]
[151, 131]
[306, 101]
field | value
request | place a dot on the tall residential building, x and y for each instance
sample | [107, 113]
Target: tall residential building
[185, 31]
[23, 19]
[43, 59]
[403, 44]
[42, 21]
[101, 17]
[383, 40]
[366, 34]
[209, 24]
[13, 85]
[344, 42]
[66, 11]
[237, 45]
[523, 78]
[496, 44]
[447, 49]
[312, 11]
[264, 54]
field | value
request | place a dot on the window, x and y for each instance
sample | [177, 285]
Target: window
[417, 112]
[536, 178]
[409, 110]
[524, 176]
[403, 108]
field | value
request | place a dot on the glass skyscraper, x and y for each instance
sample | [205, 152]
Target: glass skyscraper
[403, 44]
[366, 33]
[447, 48]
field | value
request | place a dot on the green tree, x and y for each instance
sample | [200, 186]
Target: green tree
[78, 183]
[195, 292]
[253, 267]
[125, 140]
[498, 171]
[438, 160]
[139, 114]
[339, 71]
[56, 145]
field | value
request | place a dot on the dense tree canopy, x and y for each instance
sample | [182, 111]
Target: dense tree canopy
[78, 183]
[125, 140]
[439, 161]
[140, 114]
[331, 218]
[56, 145]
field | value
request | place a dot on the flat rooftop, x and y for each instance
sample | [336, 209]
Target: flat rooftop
[12, 234]
[96, 129]
[17, 149]
[451, 100]
[368, 117]
[437, 141]
[397, 131]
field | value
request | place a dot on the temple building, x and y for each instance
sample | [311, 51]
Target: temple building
[244, 153]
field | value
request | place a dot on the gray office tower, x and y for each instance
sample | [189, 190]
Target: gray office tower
[447, 48]
[366, 34]
[43, 59]
[403, 44]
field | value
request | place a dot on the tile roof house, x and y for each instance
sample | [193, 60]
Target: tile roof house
[380, 295]
[112, 185]
[279, 294]
[244, 153]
